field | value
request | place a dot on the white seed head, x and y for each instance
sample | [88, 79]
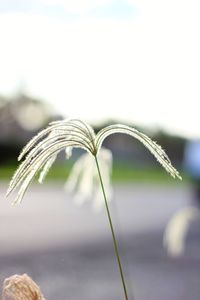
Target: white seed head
[41, 151]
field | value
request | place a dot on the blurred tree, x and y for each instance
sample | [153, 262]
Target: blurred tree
[20, 118]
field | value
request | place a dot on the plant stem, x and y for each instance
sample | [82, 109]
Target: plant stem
[112, 231]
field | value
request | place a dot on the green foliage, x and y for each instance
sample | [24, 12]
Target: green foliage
[122, 172]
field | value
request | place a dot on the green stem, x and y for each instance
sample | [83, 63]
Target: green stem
[112, 231]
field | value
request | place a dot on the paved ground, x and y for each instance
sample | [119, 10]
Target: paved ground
[68, 250]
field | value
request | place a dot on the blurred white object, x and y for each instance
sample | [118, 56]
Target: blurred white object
[84, 182]
[177, 228]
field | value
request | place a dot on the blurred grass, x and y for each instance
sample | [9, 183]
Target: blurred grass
[122, 172]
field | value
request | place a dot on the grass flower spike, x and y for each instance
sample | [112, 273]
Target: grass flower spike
[42, 151]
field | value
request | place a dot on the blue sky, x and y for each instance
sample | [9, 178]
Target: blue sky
[134, 60]
[113, 9]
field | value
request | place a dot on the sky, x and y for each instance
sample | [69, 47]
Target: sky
[136, 61]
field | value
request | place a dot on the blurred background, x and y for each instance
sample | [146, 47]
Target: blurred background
[134, 62]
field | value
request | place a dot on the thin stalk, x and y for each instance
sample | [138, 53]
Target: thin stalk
[112, 231]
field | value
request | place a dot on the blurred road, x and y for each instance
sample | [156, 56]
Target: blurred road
[68, 249]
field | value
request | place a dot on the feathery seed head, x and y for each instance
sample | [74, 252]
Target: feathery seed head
[21, 287]
[42, 149]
